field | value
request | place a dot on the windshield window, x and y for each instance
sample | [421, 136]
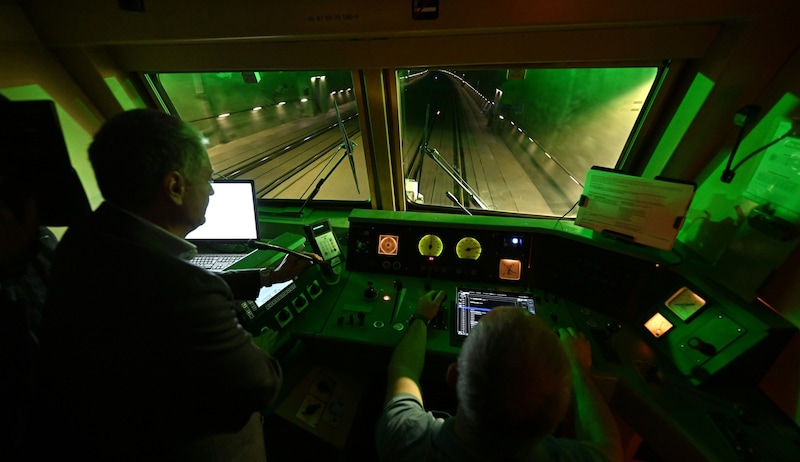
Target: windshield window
[515, 140]
[277, 128]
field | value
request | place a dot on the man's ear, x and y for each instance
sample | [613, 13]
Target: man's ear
[174, 185]
[451, 376]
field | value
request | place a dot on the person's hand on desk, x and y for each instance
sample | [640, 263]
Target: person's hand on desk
[292, 266]
[594, 421]
[578, 348]
[266, 340]
[428, 305]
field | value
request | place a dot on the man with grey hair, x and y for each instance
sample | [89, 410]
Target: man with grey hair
[145, 359]
[514, 379]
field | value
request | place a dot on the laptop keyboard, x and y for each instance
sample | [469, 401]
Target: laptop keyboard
[216, 261]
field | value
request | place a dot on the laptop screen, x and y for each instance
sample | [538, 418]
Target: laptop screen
[231, 216]
[472, 304]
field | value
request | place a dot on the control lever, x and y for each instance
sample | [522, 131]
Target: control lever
[370, 292]
[398, 286]
[701, 346]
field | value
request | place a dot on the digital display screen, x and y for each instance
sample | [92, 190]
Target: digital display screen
[231, 214]
[269, 296]
[473, 304]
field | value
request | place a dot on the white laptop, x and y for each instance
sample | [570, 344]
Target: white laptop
[231, 222]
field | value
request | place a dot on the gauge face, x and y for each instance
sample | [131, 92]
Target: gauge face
[685, 303]
[430, 245]
[510, 269]
[658, 325]
[468, 248]
[387, 244]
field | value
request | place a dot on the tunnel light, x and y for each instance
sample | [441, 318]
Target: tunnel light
[281, 103]
[511, 122]
[257, 108]
[304, 100]
[501, 117]
[223, 115]
[530, 139]
[333, 93]
[519, 129]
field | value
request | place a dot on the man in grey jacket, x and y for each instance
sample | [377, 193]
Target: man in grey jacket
[145, 358]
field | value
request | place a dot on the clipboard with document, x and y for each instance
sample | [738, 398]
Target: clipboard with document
[641, 210]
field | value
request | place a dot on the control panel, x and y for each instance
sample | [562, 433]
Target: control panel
[697, 330]
[651, 326]
[281, 304]
[439, 250]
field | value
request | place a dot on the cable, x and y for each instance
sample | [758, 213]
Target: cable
[791, 132]
[565, 213]
[743, 118]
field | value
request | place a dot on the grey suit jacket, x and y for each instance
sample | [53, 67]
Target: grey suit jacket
[144, 356]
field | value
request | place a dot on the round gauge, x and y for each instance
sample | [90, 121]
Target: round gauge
[387, 245]
[468, 248]
[430, 245]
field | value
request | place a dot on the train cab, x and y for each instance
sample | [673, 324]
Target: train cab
[628, 170]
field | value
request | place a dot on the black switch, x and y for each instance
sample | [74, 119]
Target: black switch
[701, 346]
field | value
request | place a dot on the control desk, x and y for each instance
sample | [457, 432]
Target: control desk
[677, 358]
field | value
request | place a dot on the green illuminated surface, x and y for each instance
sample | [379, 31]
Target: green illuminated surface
[690, 106]
[124, 93]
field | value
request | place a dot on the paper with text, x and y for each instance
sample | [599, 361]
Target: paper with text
[645, 211]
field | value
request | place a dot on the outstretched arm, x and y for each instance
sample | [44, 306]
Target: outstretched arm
[408, 357]
[594, 421]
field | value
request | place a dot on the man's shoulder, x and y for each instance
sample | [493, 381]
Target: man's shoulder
[406, 428]
[405, 408]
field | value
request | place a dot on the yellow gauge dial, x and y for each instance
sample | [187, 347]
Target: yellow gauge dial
[468, 248]
[658, 325]
[387, 244]
[430, 245]
[510, 269]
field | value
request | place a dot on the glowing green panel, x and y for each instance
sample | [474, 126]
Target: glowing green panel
[698, 92]
[126, 95]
